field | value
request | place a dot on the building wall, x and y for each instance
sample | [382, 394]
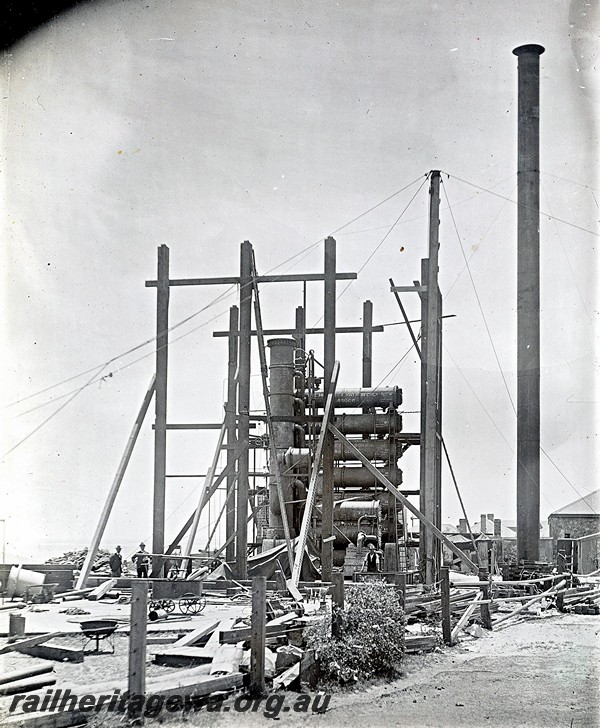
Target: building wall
[589, 555]
[576, 526]
[509, 550]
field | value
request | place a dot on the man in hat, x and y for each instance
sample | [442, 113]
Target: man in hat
[372, 561]
[116, 563]
[141, 560]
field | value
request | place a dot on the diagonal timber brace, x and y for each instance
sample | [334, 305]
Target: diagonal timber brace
[405, 502]
[292, 583]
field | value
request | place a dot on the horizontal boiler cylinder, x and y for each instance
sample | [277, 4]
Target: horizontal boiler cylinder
[383, 397]
[369, 424]
[352, 510]
[385, 450]
[363, 478]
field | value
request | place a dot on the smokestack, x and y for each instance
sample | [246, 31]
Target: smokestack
[528, 304]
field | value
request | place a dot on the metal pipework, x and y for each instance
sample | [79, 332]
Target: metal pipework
[528, 304]
[383, 397]
[368, 424]
[281, 397]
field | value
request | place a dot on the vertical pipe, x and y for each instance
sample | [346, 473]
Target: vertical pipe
[328, 445]
[528, 304]
[281, 400]
[241, 556]
[160, 400]
[300, 333]
[231, 431]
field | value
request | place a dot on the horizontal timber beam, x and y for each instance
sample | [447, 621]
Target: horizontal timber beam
[234, 280]
[290, 332]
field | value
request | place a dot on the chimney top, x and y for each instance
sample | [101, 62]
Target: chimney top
[529, 48]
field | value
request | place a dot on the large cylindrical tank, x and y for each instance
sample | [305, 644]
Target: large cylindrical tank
[383, 397]
[387, 423]
[385, 450]
[281, 399]
[362, 478]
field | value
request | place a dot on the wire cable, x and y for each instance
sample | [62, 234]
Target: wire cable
[302, 252]
[487, 328]
[39, 427]
[527, 207]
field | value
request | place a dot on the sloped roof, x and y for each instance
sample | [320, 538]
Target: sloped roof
[589, 505]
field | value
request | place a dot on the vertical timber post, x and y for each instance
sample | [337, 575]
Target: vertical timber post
[231, 432]
[258, 637]
[445, 594]
[528, 304]
[328, 445]
[430, 504]
[245, 338]
[160, 400]
[367, 342]
[136, 684]
[486, 617]
[337, 592]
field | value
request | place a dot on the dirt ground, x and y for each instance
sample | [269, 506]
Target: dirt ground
[540, 672]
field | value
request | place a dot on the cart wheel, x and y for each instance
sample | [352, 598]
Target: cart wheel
[168, 605]
[191, 604]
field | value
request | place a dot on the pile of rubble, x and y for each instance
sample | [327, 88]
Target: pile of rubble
[78, 557]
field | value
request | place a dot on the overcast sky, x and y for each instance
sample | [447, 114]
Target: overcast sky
[201, 124]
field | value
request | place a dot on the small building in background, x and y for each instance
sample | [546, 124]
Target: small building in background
[577, 519]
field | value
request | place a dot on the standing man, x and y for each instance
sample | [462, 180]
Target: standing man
[372, 560]
[142, 559]
[116, 563]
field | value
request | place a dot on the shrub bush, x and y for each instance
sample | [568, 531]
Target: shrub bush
[370, 635]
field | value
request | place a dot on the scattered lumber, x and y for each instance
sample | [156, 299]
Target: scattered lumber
[183, 656]
[46, 720]
[28, 684]
[193, 638]
[159, 640]
[7, 677]
[420, 643]
[13, 605]
[74, 593]
[287, 678]
[194, 687]
[529, 602]
[47, 651]
[227, 659]
[29, 642]
[99, 591]
[465, 617]
[284, 619]
[242, 634]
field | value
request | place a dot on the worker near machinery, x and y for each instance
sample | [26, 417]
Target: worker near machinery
[116, 563]
[371, 564]
[141, 560]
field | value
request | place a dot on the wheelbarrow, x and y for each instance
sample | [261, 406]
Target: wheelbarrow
[99, 630]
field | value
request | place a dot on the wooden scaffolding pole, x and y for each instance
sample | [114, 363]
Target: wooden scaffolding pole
[160, 423]
[114, 488]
